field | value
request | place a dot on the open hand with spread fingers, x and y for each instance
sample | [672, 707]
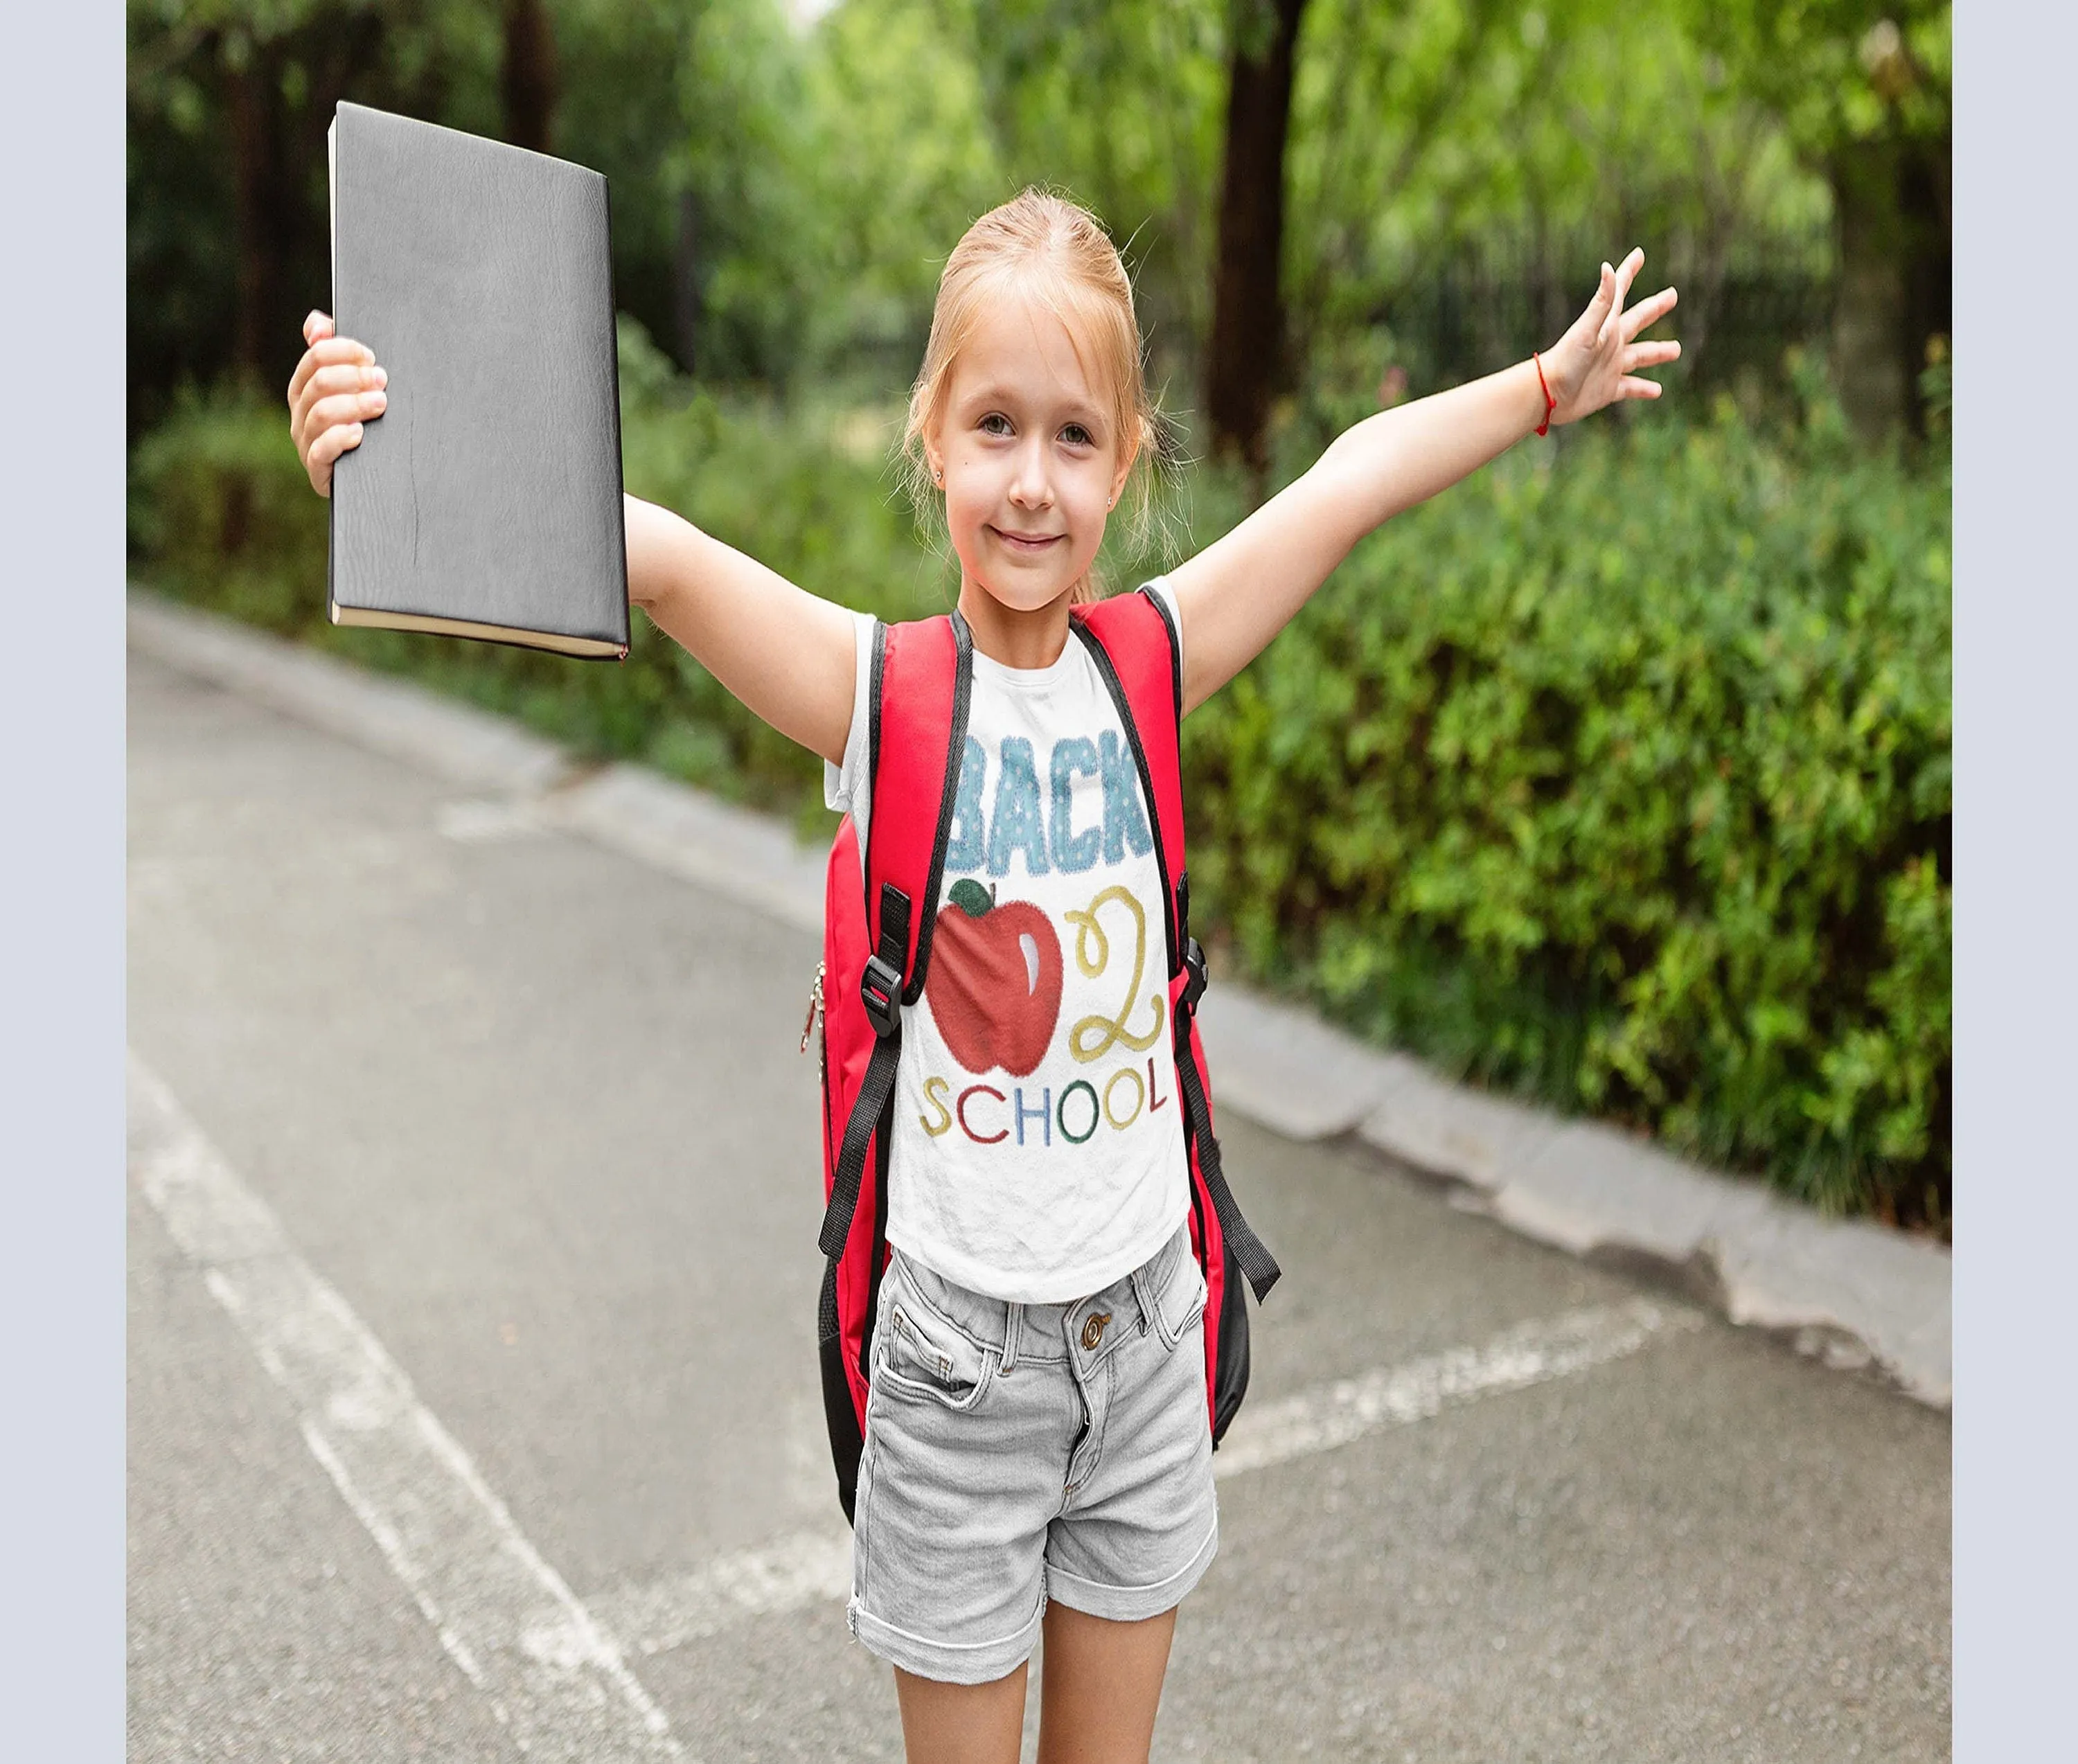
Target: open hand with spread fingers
[335, 388]
[1597, 362]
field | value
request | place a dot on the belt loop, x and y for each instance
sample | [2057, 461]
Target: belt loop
[1140, 1286]
[1013, 1314]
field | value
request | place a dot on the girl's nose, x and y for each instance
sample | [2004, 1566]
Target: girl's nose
[1030, 486]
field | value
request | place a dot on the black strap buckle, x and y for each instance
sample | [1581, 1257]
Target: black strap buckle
[1194, 965]
[880, 986]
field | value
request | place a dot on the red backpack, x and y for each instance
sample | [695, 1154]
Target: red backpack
[877, 949]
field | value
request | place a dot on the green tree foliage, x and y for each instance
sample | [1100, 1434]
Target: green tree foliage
[1864, 91]
[228, 104]
[1836, 71]
[784, 194]
[1121, 106]
[1533, 143]
[743, 119]
[693, 109]
[902, 159]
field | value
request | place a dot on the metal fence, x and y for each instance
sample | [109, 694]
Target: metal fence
[1471, 314]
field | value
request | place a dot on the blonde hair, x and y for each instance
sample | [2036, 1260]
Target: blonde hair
[1056, 251]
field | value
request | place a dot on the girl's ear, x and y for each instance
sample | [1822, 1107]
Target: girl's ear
[933, 437]
[1124, 470]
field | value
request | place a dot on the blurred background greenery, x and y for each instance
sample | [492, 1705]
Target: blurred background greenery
[1618, 777]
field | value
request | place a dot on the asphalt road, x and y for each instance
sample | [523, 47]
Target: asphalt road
[532, 1112]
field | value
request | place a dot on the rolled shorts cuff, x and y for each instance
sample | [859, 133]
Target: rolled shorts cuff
[949, 1662]
[1132, 1604]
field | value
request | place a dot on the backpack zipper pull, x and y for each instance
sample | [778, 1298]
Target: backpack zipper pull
[814, 1008]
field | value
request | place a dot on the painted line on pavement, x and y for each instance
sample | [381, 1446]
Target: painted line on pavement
[448, 1537]
[791, 1573]
[808, 1568]
[1535, 1352]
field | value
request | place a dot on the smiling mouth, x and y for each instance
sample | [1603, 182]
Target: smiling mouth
[1034, 542]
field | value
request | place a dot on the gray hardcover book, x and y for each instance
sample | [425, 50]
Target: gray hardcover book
[484, 502]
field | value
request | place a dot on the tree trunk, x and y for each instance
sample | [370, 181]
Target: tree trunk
[247, 88]
[686, 281]
[1891, 203]
[528, 78]
[279, 232]
[1868, 313]
[1929, 264]
[1245, 358]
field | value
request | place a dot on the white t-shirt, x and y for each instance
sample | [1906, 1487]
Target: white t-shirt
[1037, 1153]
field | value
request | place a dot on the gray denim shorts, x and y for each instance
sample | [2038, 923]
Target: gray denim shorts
[1016, 1454]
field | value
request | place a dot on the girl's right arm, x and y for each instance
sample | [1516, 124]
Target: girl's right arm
[787, 654]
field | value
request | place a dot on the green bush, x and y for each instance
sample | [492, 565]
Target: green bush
[221, 512]
[1617, 777]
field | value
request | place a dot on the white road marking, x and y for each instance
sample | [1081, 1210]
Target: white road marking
[1333, 1415]
[803, 1569]
[813, 1567]
[477, 1579]
[550, 1662]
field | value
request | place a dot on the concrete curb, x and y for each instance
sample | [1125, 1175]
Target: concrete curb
[750, 858]
[460, 744]
[1851, 1291]
[1855, 1293]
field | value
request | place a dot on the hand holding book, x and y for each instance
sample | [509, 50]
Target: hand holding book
[336, 387]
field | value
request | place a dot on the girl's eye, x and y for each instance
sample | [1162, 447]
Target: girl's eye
[1076, 435]
[996, 423]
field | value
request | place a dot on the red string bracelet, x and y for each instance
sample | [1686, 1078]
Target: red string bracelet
[1550, 403]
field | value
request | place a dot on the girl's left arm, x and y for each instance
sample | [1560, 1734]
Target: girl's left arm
[1238, 593]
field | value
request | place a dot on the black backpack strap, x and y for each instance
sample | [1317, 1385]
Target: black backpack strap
[1256, 1265]
[881, 990]
[1156, 689]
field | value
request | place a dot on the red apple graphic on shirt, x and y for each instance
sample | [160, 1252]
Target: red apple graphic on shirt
[995, 983]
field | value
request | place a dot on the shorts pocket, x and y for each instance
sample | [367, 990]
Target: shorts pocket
[1180, 1300]
[922, 1355]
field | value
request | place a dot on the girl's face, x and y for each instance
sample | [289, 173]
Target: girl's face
[1030, 460]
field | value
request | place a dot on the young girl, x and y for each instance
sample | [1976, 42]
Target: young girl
[1038, 1454]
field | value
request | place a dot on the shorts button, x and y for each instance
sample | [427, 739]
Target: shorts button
[1093, 1330]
